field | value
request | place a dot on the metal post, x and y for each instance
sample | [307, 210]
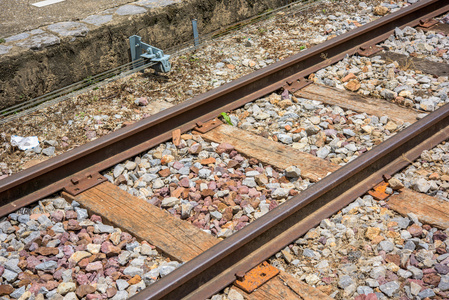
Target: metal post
[136, 49]
[196, 38]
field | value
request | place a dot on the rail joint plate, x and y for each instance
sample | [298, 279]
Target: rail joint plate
[427, 23]
[79, 185]
[207, 126]
[256, 277]
[369, 50]
[294, 86]
[378, 192]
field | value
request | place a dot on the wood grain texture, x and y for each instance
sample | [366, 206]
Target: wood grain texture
[285, 286]
[178, 239]
[358, 103]
[270, 152]
[415, 63]
[428, 209]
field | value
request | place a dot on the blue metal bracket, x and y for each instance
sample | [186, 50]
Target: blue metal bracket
[196, 38]
[149, 53]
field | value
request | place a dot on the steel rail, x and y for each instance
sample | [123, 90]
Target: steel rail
[52, 175]
[215, 268]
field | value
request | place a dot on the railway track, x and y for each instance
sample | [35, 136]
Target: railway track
[210, 265]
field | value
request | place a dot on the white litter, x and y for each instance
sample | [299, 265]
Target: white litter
[46, 2]
[24, 143]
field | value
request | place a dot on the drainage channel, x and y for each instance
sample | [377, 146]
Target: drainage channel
[28, 59]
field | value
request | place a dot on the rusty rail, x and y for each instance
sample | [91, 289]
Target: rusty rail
[272, 232]
[52, 175]
[214, 269]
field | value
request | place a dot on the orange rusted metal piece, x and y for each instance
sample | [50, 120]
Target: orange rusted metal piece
[428, 23]
[369, 50]
[378, 192]
[204, 127]
[256, 277]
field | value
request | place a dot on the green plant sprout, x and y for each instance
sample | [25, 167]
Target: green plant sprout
[226, 118]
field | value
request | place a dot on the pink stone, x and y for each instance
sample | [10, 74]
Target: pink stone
[33, 246]
[63, 262]
[57, 216]
[212, 185]
[36, 216]
[253, 193]
[239, 158]
[70, 214]
[415, 230]
[195, 196]
[81, 247]
[94, 266]
[195, 149]
[98, 239]
[82, 279]
[58, 274]
[35, 287]
[233, 153]
[429, 271]
[243, 190]
[23, 253]
[327, 280]
[240, 225]
[51, 285]
[125, 236]
[224, 147]
[112, 262]
[184, 182]
[96, 218]
[177, 165]
[68, 250]
[93, 296]
[244, 219]
[110, 271]
[32, 262]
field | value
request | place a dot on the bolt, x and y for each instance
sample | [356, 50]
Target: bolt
[240, 275]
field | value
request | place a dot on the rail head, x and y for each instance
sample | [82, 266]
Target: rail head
[216, 268]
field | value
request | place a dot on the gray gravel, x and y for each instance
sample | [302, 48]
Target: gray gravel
[57, 251]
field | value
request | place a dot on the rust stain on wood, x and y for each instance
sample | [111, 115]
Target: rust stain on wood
[356, 102]
[428, 209]
[178, 239]
[270, 152]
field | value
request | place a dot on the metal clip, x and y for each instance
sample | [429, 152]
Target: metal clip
[378, 192]
[369, 50]
[207, 126]
[78, 185]
[256, 277]
[296, 85]
[156, 55]
[427, 23]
